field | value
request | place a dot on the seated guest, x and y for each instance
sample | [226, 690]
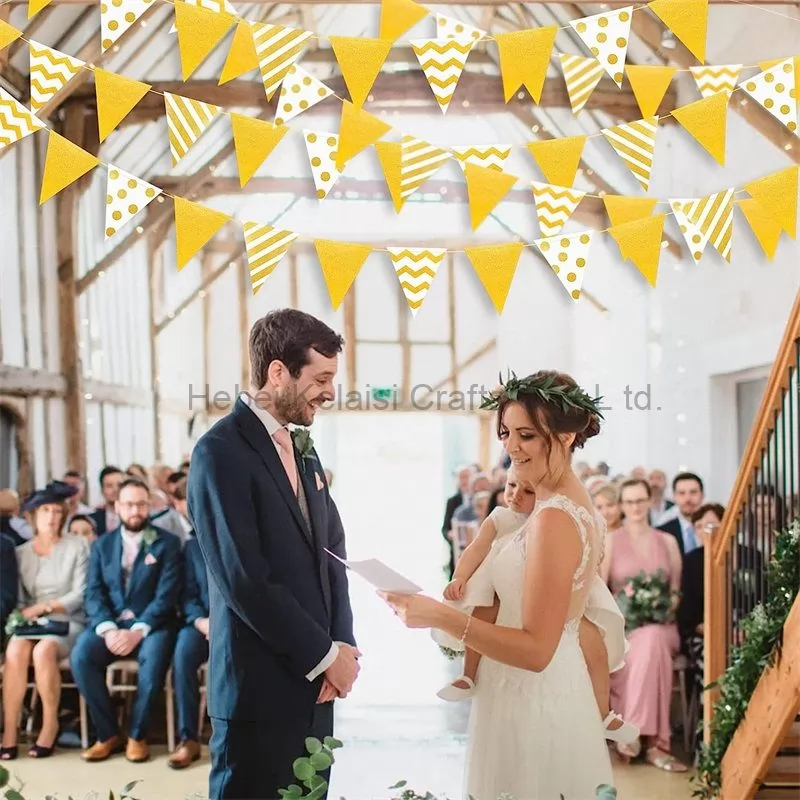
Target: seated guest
[134, 587]
[105, 517]
[82, 526]
[11, 524]
[52, 580]
[191, 652]
[137, 471]
[9, 581]
[687, 489]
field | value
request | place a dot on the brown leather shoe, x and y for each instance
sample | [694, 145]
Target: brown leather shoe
[185, 754]
[100, 751]
[137, 751]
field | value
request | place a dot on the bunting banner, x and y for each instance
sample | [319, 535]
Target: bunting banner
[64, 163]
[116, 97]
[299, 92]
[764, 227]
[266, 246]
[357, 131]
[195, 226]
[486, 187]
[554, 206]
[117, 17]
[242, 56]
[696, 239]
[776, 194]
[254, 140]
[649, 84]
[340, 262]
[621, 210]
[635, 144]
[558, 159]
[8, 34]
[277, 48]
[775, 89]
[711, 79]
[187, 121]
[449, 28]
[16, 121]
[706, 121]
[199, 32]
[126, 196]
[360, 61]
[419, 161]
[581, 76]
[50, 71]
[321, 147]
[492, 156]
[568, 257]
[639, 241]
[607, 36]
[524, 58]
[713, 215]
[399, 16]
[443, 61]
[495, 266]
[416, 268]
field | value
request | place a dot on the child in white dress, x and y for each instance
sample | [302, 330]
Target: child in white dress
[602, 631]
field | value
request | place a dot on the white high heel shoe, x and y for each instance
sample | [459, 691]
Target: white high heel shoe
[625, 734]
[453, 693]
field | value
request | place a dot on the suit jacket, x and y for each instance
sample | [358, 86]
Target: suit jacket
[673, 527]
[277, 600]
[195, 588]
[99, 518]
[452, 504]
[152, 592]
[9, 579]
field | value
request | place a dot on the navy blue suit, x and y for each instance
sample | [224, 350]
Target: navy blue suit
[9, 580]
[277, 602]
[191, 650]
[151, 597]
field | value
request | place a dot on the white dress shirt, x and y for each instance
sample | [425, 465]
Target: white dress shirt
[272, 425]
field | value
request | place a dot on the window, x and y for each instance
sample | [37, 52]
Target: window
[9, 455]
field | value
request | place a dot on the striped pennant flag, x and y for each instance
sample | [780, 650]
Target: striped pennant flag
[277, 48]
[567, 257]
[418, 162]
[187, 121]
[492, 156]
[554, 206]
[51, 71]
[607, 36]
[266, 246]
[16, 121]
[715, 78]
[696, 239]
[416, 268]
[635, 144]
[775, 90]
[713, 215]
[321, 148]
[116, 18]
[443, 61]
[581, 76]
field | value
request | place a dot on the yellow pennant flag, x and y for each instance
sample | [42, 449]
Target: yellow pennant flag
[360, 61]
[622, 210]
[495, 265]
[8, 34]
[116, 98]
[199, 31]
[399, 16]
[35, 6]
[707, 121]
[486, 187]
[357, 131]
[649, 85]
[524, 58]
[688, 20]
[64, 164]
[558, 159]
[242, 56]
[777, 195]
[195, 226]
[390, 155]
[763, 225]
[254, 140]
[340, 262]
[640, 241]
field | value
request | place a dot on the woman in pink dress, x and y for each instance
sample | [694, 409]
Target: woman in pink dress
[642, 690]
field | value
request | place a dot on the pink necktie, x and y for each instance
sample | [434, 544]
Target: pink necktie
[284, 440]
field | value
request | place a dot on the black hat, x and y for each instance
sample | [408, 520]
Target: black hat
[54, 492]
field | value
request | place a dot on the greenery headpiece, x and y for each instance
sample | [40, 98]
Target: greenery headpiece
[547, 389]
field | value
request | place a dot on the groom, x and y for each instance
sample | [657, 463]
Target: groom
[281, 627]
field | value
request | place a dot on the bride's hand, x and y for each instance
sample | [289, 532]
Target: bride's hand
[414, 610]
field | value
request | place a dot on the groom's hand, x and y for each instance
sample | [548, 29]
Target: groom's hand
[344, 671]
[328, 692]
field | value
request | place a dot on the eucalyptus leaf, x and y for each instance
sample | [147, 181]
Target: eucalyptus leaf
[313, 745]
[332, 743]
[303, 769]
[4, 776]
[320, 761]
[13, 794]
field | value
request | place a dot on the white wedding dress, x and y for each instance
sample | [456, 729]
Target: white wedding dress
[539, 735]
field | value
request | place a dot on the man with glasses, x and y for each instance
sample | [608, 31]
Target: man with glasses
[134, 587]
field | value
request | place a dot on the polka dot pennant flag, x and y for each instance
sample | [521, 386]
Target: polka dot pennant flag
[607, 36]
[321, 148]
[116, 16]
[567, 257]
[126, 196]
[299, 92]
[775, 90]
[450, 28]
[696, 239]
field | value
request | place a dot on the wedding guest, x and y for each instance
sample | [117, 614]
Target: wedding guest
[135, 584]
[82, 526]
[642, 690]
[11, 524]
[606, 501]
[687, 489]
[191, 651]
[52, 581]
[77, 504]
[137, 471]
[459, 498]
[658, 486]
[9, 581]
[105, 516]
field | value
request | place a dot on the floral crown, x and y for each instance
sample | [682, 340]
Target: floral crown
[547, 389]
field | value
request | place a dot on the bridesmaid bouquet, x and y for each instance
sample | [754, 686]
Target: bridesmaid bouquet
[647, 599]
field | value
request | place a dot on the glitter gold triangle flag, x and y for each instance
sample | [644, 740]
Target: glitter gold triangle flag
[524, 58]
[763, 225]
[640, 242]
[777, 195]
[649, 84]
[495, 266]
[266, 246]
[242, 56]
[715, 78]
[554, 206]
[187, 121]
[360, 61]
[254, 141]
[713, 215]
[199, 32]
[688, 20]
[357, 131]
[775, 89]
[64, 164]
[277, 48]
[581, 76]
[607, 35]
[558, 159]
[635, 144]
[416, 267]
[696, 239]
[8, 34]
[50, 71]
[628, 209]
[116, 98]
[491, 155]
[16, 121]
[341, 262]
[398, 17]
[486, 187]
[299, 92]
[390, 156]
[195, 226]
[443, 61]
[35, 6]
[126, 196]
[117, 17]
[321, 147]
[568, 257]
[707, 121]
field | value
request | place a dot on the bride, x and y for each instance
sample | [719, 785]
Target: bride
[534, 732]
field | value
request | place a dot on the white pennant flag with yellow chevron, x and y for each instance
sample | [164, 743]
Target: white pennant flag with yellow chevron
[695, 238]
[581, 76]
[51, 71]
[568, 257]
[277, 48]
[266, 246]
[416, 267]
[187, 121]
[607, 35]
[443, 60]
[208, 5]
[116, 18]
[321, 147]
[418, 162]
[713, 78]
[554, 206]
[775, 90]
[635, 144]
[491, 156]
[713, 215]
[16, 121]
[450, 28]
[126, 196]
[299, 92]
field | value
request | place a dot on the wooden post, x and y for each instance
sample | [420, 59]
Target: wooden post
[243, 286]
[714, 615]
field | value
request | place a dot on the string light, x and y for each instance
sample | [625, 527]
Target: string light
[681, 417]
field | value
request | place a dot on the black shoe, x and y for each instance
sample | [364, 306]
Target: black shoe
[8, 753]
[37, 751]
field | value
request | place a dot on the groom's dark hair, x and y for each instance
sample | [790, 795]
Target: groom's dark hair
[287, 335]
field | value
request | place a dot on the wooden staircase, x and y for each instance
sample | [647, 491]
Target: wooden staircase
[763, 758]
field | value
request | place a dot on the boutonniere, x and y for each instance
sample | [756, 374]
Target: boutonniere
[148, 537]
[303, 443]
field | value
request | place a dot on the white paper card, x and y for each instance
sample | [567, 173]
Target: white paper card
[380, 576]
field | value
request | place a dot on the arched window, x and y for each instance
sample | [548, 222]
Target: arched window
[9, 454]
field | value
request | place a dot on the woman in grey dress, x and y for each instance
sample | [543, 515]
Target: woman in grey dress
[52, 575]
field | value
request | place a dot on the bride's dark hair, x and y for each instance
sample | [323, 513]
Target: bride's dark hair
[553, 416]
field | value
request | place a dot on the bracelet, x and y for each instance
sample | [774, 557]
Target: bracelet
[466, 629]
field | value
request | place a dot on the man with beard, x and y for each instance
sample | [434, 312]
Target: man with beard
[133, 590]
[281, 627]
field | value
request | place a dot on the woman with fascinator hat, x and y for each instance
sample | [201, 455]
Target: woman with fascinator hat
[52, 577]
[534, 729]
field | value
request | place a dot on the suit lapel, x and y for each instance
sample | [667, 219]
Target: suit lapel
[116, 558]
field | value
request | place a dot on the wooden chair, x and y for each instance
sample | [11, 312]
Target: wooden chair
[680, 666]
[203, 698]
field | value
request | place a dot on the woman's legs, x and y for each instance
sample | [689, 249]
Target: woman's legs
[15, 682]
[48, 683]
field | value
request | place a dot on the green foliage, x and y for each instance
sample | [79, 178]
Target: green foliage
[647, 600]
[320, 758]
[760, 648]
